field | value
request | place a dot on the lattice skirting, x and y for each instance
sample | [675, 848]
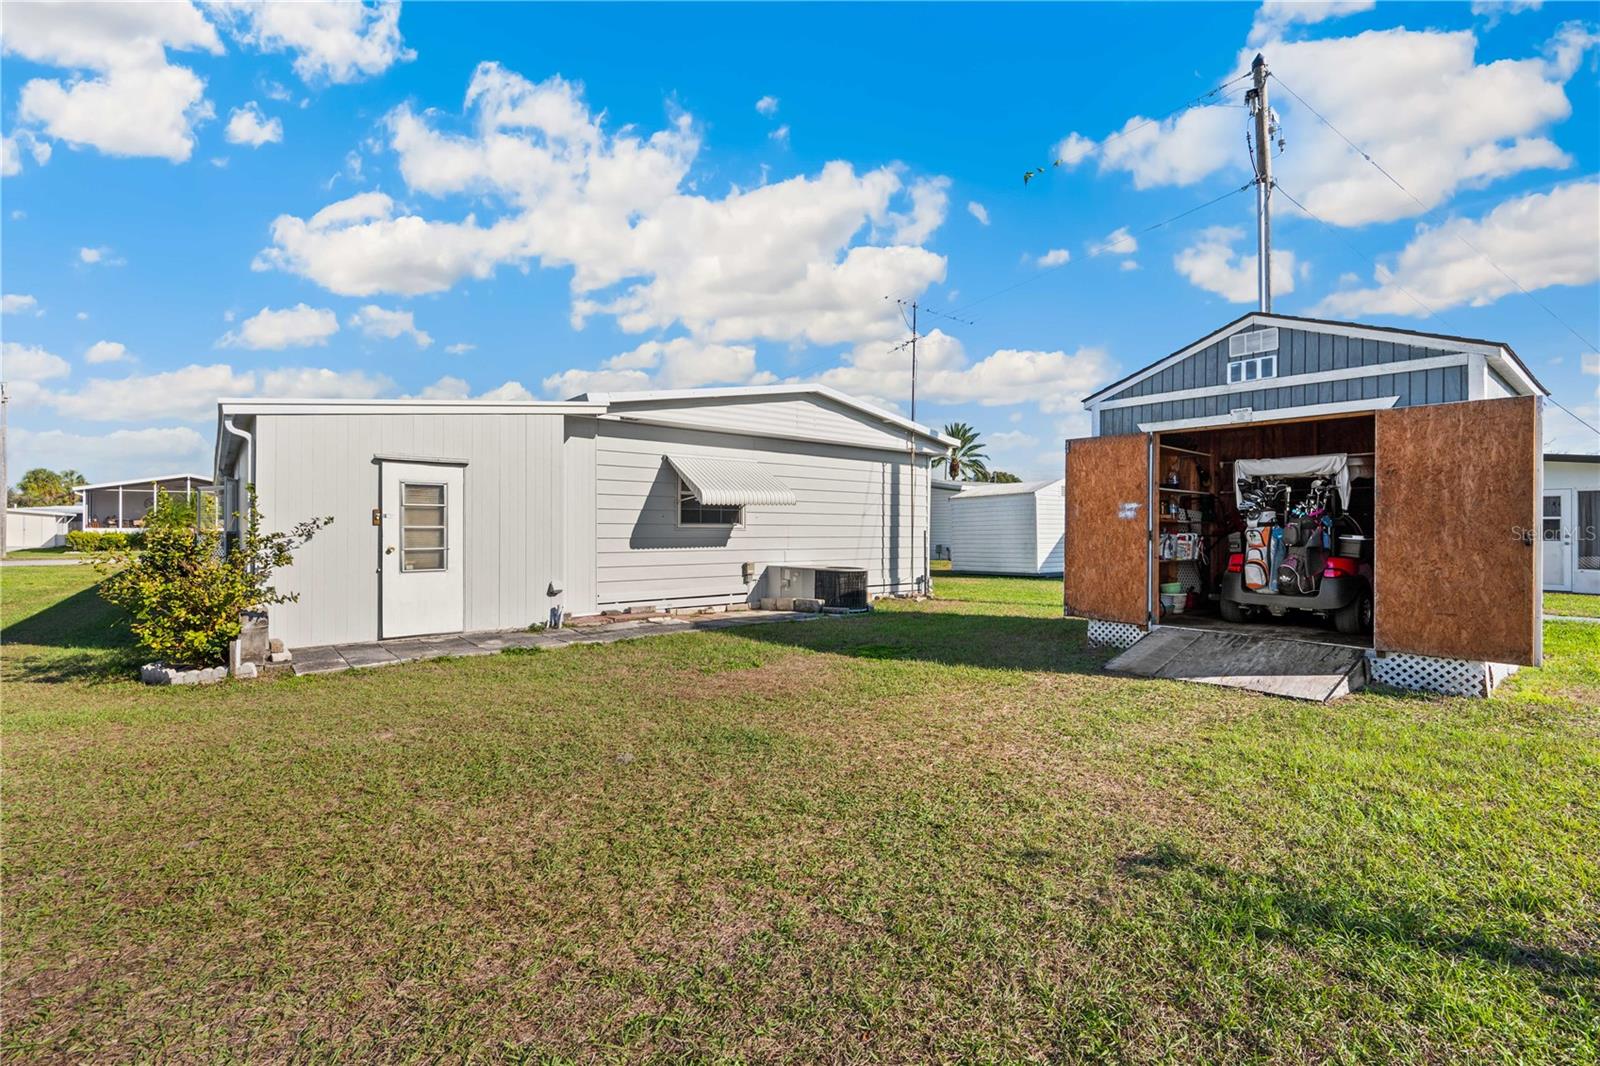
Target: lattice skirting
[1113, 634]
[1450, 677]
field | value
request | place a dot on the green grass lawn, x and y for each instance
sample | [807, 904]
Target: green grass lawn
[58, 552]
[934, 832]
[1574, 604]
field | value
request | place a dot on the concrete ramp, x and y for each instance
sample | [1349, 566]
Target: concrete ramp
[1298, 669]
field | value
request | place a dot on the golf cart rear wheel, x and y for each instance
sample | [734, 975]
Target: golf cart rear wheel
[1232, 612]
[1354, 617]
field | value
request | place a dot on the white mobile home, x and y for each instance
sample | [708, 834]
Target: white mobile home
[457, 516]
[1569, 523]
[1008, 528]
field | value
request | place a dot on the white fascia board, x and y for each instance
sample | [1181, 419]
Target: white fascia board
[614, 399]
[140, 482]
[924, 450]
[1276, 414]
[1512, 371]
[253, 406]
[1337, 329]
[1373, 370]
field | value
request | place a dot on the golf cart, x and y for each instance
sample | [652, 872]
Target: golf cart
[1300, 549]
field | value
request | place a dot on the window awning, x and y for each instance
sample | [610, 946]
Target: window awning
[729, 483]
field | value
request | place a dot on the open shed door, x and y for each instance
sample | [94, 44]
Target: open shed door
[1456, 519]
[1106, 563]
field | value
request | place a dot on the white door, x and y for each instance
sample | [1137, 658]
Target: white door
[422, 589]
[1555, 529]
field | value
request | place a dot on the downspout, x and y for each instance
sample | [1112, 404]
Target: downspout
[249, 459]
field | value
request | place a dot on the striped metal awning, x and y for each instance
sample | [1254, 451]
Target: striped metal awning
[729, 483]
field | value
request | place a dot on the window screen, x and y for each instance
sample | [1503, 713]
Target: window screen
[1241, 345]
[423, 543]
[1552, 518]
[691, 512]
[1589, 531]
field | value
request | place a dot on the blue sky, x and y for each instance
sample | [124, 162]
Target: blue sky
[533, 200]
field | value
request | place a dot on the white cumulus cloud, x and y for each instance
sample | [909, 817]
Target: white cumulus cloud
[1211, 263]
[331, 40]
[291, 327]
[1118, 242]
[978, 211]
[681, 363]
[1389, 91]
[1541, 239]
[767, 105]
[120, 453]
[248, 125]
[124, 98]
[1053, 258]
[809, 258]
[14, 303]
[106, 352]
[1274, 17]
[376, 321]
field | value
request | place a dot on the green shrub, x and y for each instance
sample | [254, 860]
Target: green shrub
[103, 540]
[184, 595]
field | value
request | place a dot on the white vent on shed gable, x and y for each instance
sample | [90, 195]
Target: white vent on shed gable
[1241, 345]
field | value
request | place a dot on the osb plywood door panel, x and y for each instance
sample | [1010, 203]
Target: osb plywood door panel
[1456, 537]
[1107, 552]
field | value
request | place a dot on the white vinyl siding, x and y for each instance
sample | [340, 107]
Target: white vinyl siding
[853, 508]
[1009, 533]
[322, 464]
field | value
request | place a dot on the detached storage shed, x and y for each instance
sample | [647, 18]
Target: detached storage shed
[1441, 439]
[1007, 529]
[454, 516]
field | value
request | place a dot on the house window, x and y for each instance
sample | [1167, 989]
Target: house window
[423, 543]
[691, 512]
[1589, 531]
[1261, 366]
[1253, 356]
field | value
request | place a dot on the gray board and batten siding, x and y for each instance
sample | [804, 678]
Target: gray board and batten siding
[1300, 351]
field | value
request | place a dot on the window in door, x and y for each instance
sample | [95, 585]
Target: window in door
[423, 544]
[1589, 531]
[1552, 518]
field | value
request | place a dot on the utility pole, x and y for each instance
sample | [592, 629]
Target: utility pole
[1256, 98]
[913, 360]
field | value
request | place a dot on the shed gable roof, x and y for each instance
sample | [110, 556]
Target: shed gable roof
[1416, 338]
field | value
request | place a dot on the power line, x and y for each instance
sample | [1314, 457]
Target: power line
[1430, 311]
[1196, 102]
[1364, 256]
[1133, 236]
[1364, 154]
[1111, 246]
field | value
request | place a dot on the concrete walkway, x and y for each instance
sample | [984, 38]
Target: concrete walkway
[45, 562]
[333, 658]
[1571, 618]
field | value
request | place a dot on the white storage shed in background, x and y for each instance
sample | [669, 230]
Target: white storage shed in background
[939, 526]
[1008, 529]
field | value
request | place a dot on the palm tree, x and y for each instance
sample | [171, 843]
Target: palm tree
[966, 460]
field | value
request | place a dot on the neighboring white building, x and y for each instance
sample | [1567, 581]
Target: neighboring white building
[39, 527]
[1008, 529]
[1570, 520]
[480, 515]
[940, 529]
